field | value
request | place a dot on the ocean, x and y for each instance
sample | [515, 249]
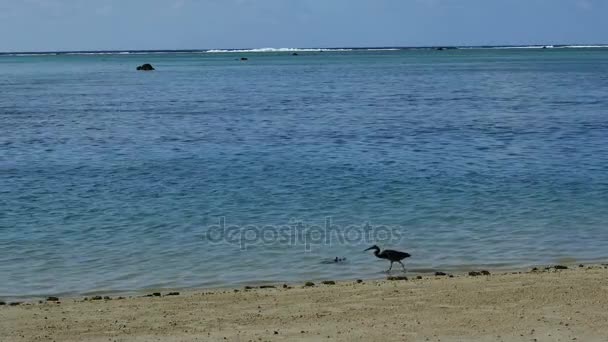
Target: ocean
[217, 172]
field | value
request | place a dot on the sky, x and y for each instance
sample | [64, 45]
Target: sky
[68, 25]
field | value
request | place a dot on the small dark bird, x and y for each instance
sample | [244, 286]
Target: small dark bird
[390, 255]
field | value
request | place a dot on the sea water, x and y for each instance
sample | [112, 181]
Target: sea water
[212, 171]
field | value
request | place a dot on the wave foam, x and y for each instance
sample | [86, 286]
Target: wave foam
[276, 50]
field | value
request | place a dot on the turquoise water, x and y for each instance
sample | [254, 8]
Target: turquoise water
[113, 180]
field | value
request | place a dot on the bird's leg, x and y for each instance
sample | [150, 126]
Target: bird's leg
[390, 268]
[402, 265]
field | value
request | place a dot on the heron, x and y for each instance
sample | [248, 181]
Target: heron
[390, 255]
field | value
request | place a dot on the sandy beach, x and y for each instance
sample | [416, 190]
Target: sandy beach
[548, 305]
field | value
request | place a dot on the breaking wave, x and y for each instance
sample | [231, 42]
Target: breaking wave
[276, 50]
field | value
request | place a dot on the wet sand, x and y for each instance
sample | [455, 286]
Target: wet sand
[552, 305]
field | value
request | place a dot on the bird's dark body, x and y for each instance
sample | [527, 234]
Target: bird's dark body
[390, 255]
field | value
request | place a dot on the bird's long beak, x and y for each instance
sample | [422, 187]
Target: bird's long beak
[369, 249]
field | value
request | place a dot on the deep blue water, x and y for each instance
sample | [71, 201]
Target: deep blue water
[111, 179]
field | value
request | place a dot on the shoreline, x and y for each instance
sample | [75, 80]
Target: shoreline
[547, 305]
[411, 274]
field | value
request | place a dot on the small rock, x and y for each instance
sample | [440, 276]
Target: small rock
[440, 274]
[268, 287]
[276, 332]
[173, 294]
[15, 303]
[145, 67]
[418, 277]
[329, 282]
[120, 298]
[474, 274]
[309, 284]
[52, 299]
[484, 272]
[249, 287]
[397, 278]
[560, 267]
[2, 303]
[244, 58]
[107, 298]
[97, 298]
[359, 281]
[535, 269]
[235, 291]
[285, 286]
[156, 294]
[581, 265]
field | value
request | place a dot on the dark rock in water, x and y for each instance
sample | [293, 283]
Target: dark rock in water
[268, 287]
[294, 54]
[397, 278]
[440, 274]
[359, 281]
[244, 59]
[336, 260]
[329, 282]
[560, 267]
[97, 298]
[309, 284]
[172, 294]
[285, 286]
[156, 294]
[52, 299]
[249, 287]
[2, 303]
[440, 48]
[145, 67]
[484, 272]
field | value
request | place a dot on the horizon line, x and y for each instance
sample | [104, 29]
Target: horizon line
[306, 48]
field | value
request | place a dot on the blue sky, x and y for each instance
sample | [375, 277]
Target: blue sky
[44, 25]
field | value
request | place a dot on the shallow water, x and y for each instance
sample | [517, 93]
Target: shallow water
[113, 180]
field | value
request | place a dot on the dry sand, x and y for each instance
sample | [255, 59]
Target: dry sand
[568, 305]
